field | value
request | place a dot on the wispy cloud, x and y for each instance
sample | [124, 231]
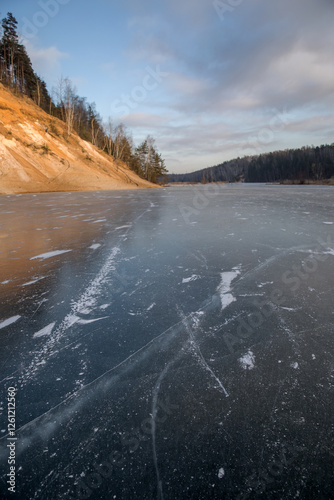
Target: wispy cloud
[46, 60]
[143, 120]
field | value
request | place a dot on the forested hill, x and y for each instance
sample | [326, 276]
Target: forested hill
[80, 117]
[300, 165]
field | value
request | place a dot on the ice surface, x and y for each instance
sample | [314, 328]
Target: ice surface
[218, 386]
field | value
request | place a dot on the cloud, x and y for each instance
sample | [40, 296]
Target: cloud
[230, 80]
[182, 84]
[46, 61]
[315, 123]
[151, 49]
[142, 120]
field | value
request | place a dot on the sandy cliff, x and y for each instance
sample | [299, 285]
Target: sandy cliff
[36, 155]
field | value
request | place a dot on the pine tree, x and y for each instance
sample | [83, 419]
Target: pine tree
[15, 65]
[151, 164]
[9, 47]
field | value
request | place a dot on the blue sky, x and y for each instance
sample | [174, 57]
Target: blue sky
[210, 80]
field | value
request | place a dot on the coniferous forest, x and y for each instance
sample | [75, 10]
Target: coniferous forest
[300, 166]
[17, 73]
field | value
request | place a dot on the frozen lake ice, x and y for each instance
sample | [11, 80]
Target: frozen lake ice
[169, 344]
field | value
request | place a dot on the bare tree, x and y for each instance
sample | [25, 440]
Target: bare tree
[66, 97]
[94, 130]
[38, 91]
[119, 141]
[108, 136]
[69, 105]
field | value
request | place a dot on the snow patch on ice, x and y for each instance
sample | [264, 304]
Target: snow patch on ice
[88, 298]
[151, 306]
[221, 473]
[295, 365]
[87, 310]
[261, 285]
[194, 277]
[47, 330]
[89, 321]
[33, 281]
[196, 318]
[95, 246]
[9, 321]
[247, 361]
[123, 227]
[72, 319]
[329, 252]
[224, 287]
[48, 255]
[329, 223]
[104, 306]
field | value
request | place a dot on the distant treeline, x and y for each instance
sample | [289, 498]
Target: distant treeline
[16, 72]
[294, 165]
